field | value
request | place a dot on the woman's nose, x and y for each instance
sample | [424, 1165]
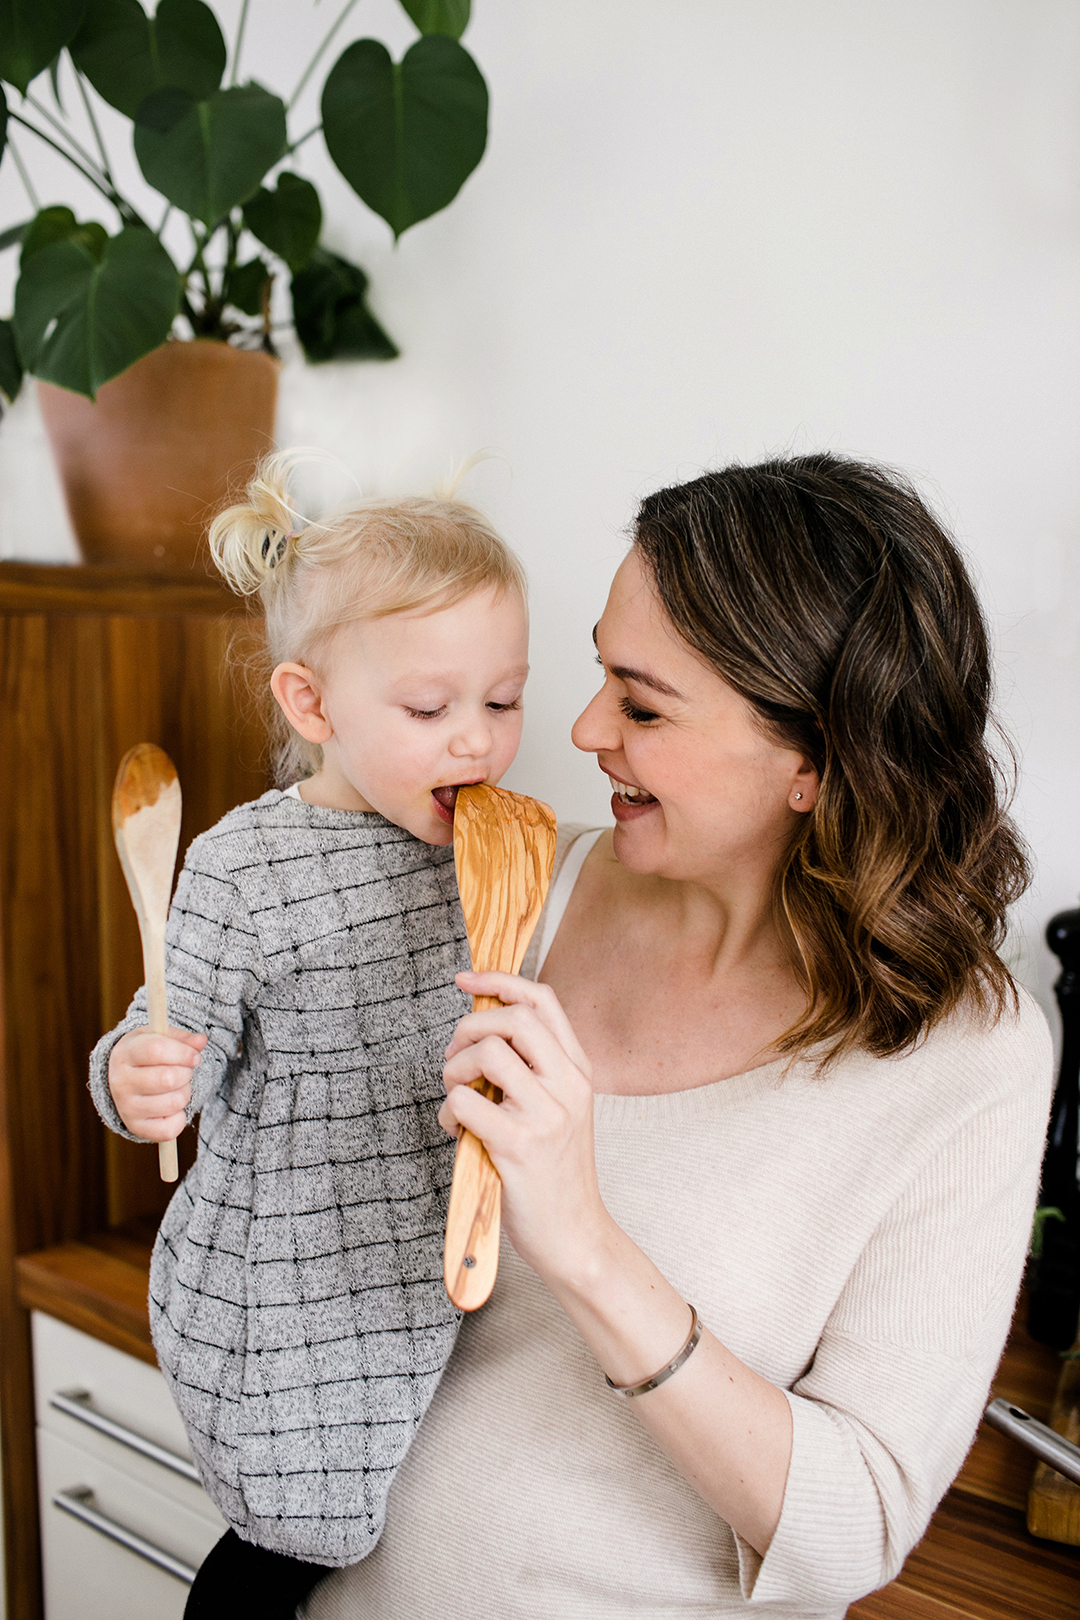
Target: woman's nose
[594, 728]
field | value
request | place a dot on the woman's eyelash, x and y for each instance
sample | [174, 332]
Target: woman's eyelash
[632, 712]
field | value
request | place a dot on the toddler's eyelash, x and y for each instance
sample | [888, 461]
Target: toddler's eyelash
[433, 714]
[632, 712]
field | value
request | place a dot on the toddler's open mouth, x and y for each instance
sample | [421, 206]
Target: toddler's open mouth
[446, 798]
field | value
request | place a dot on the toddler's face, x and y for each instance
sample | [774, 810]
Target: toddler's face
[421, 703]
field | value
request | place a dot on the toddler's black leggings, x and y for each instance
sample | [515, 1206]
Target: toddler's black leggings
[237, 1580]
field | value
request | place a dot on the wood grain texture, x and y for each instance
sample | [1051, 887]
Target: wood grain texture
[978, 1557]
[91, 662]
[898, 1602]
[52, 590]
[94, 1290]
[18, 1460]
[1053, 1508]
[504, 850]
[146, 811]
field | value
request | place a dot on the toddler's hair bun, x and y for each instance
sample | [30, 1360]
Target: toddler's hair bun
[253, 541]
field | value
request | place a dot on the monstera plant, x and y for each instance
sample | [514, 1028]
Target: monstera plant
[95, 295]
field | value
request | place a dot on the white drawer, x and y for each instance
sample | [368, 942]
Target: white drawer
[88, 1574]
[116, 1409]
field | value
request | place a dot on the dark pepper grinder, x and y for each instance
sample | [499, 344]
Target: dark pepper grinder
[1054, 1288]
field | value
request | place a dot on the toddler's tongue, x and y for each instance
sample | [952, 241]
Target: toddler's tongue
[447, 797]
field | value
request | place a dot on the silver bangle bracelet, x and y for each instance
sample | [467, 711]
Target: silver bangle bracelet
[665, 1372]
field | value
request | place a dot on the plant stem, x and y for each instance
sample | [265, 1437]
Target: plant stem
[63, 130]
[241, 25]
[164, 217]
[94, 126]
[296, 145]
[35, 202]
[313, 64]
[128, 215]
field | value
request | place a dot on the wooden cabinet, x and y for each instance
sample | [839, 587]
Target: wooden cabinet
[92, 660]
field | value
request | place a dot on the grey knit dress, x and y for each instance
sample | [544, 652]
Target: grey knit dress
[296, 1294]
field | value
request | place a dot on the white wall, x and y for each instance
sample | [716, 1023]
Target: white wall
[715, 228]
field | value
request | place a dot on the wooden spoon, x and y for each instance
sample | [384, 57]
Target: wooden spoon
[504, 849]
[146, 824]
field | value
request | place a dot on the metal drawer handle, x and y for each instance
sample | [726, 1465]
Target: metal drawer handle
[1045, 1442]
[76, 1404]
[77, 1502]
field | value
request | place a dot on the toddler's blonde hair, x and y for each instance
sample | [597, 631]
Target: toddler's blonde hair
[365, 561]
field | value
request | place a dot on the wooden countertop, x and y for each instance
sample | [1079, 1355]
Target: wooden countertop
[976, 1561]
[97, 1285]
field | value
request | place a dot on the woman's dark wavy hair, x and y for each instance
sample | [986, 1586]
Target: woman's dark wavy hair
[828, 596]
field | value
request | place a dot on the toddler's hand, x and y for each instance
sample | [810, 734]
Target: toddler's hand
[150, 1081]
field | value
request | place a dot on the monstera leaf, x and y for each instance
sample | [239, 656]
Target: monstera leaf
[406, 135]
[333, 321]
[439, 16]
[59, 224]
[288, 220]
[82, 316]
[207, 156]
[127, 55]
[244, 286]
[32, 33]
[11, 370]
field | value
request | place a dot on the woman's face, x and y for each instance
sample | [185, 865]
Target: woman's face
[700, 792]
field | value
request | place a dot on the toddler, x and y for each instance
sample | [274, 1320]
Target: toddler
[296, 1294]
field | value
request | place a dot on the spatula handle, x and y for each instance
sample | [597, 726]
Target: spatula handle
[471, 1256]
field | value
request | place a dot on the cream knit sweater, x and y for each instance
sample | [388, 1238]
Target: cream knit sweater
[856, 1239]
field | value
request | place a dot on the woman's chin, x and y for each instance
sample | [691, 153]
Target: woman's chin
[636, 840]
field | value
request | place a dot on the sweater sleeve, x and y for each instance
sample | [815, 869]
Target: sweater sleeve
[887, 1410]
[213, 971]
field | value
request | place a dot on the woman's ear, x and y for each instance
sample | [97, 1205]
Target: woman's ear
[802, 795]
[299, 696]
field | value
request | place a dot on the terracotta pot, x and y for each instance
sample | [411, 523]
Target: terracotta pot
[165, 445]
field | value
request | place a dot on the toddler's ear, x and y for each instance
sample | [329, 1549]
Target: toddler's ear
[299, 697]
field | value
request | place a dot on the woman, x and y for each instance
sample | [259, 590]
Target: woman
[773, 1070]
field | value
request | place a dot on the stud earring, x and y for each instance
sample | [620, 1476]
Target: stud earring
[798, 795]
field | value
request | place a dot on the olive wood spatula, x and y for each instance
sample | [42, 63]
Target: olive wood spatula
[504, 849]
[146, 825]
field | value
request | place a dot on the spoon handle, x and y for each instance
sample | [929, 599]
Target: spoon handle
[471, 1256]
[157, 1012]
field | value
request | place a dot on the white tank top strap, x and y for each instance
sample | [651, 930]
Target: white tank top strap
[561, 890]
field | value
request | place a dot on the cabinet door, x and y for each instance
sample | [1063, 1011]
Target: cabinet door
[89, 1573]
[117, 1409]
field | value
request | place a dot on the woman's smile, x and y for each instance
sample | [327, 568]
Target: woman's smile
[628, 801]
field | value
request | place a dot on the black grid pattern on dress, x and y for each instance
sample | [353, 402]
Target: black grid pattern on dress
[296, 1292]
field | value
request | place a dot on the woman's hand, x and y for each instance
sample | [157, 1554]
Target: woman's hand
[540, 1137]
[150, 1081]
[727, 1429]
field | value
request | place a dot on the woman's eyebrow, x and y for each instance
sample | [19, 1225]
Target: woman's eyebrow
[640, 676]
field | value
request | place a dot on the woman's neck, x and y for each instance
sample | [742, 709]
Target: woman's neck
[670, 985]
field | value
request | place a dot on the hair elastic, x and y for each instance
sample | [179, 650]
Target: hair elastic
[273, 552]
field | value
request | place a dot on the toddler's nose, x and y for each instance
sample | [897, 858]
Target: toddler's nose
[472, 740]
